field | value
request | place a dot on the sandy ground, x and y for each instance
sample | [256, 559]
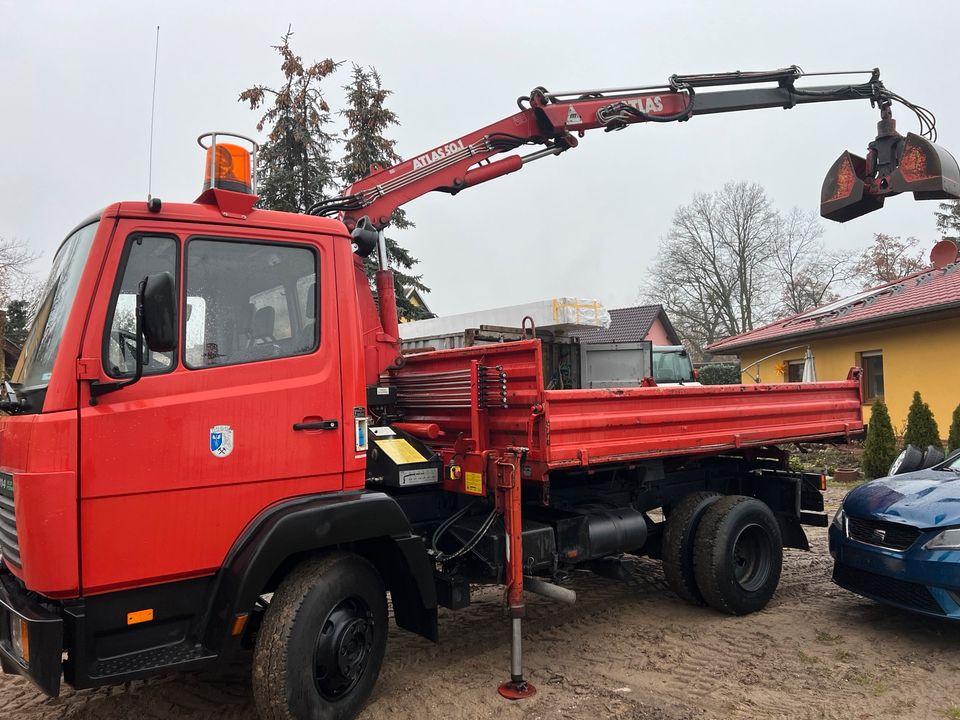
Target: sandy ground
[625, 650]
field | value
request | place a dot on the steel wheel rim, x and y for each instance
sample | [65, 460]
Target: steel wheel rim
[752, 557]
[343, 648]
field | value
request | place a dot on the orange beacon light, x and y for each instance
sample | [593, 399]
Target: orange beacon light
[229, 166]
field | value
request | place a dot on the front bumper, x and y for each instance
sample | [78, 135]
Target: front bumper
[915, 579]
[44, 636]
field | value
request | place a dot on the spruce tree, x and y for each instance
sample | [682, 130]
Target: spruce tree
[18, 321]
[948, 219]
[294, 167]
[922, 427]
[880, 448]
[365, 147]
[953, 442]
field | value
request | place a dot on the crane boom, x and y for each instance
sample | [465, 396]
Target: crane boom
[555, 121]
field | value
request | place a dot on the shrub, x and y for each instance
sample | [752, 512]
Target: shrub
[720, 374]
[880, 449]
[953, 442]
[922, 428]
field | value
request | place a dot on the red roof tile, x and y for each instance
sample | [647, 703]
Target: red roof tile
[923, 292]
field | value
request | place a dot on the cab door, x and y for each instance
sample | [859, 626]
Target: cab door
[245, 413]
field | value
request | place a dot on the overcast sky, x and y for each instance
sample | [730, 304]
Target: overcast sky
[76, 82]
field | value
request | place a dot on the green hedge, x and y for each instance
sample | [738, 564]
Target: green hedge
[720, 374]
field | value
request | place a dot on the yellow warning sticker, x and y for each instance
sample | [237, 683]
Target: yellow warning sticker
[473, 482]
[400, 451]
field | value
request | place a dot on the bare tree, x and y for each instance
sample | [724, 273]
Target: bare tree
[888, 259]
[713, 272]
[805, 271]
[17, 281]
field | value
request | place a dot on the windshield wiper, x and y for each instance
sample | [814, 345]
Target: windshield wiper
[12, 404]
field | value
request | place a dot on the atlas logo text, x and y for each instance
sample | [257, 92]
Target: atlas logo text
[438, 154]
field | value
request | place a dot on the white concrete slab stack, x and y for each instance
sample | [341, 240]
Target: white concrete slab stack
[556, 314]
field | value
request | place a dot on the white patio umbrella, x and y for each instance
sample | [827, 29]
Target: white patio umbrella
[809, 367]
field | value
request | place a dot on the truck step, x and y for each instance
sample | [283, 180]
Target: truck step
[816, 519]
[179, 656]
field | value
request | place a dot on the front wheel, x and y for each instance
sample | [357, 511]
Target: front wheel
[738, 555]
[322, 641]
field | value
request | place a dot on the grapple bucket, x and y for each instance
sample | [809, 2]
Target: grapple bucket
[926, 170]
[855, 186]
[844, 193]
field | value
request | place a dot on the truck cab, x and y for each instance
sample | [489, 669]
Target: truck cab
[672, 366]
[130, 487]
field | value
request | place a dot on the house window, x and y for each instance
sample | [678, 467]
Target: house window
[795, 371]
[872, 364]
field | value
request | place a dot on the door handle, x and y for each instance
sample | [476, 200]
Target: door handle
[318, 425]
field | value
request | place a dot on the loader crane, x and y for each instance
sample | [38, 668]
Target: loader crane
[213, 442]
[556, 120]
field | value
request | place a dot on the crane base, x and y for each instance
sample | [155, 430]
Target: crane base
[512, 690]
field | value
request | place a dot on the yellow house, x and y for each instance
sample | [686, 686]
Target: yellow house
[905, 336]
[416, 299]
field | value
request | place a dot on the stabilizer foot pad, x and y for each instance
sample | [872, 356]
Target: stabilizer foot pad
[517, 690]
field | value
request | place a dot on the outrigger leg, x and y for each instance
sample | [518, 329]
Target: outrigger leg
[508, 497]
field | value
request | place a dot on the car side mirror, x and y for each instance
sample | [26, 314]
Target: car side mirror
[158, 298]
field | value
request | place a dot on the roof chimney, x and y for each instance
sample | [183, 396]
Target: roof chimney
[944, 253]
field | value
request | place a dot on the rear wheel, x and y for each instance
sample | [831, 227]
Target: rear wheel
[678, 541]
[738, 555]
[322, 641]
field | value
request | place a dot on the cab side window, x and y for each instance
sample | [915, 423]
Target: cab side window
[144, 255]
[248, 301]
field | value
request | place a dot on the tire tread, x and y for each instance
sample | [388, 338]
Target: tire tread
[270, 678]
[708, 555]
[678, 544]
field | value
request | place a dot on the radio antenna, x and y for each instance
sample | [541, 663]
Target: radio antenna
[153, 107]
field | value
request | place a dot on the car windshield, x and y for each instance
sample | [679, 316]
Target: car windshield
[40, 348]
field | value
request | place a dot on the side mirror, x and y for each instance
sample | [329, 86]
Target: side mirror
[158, 299]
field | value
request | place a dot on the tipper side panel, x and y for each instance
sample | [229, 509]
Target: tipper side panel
[610, 425]
[565, 428]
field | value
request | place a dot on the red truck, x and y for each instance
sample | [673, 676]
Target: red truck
[213, 443]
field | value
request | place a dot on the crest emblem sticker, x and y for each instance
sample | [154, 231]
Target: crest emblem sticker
[221, 440]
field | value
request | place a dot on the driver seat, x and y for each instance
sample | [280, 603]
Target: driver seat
[261, 330]
[308, 335]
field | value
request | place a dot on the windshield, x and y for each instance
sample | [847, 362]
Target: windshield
[672, 366]
[40, 348]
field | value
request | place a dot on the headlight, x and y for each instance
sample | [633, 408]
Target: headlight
[946, 540]
[840, 520]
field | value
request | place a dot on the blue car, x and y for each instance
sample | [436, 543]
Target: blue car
[896, 540]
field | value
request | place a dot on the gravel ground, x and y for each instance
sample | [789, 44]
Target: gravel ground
[625, 650]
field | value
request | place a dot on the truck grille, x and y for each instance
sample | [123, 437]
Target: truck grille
[883, 534]
[881, 587]
[9, 544]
